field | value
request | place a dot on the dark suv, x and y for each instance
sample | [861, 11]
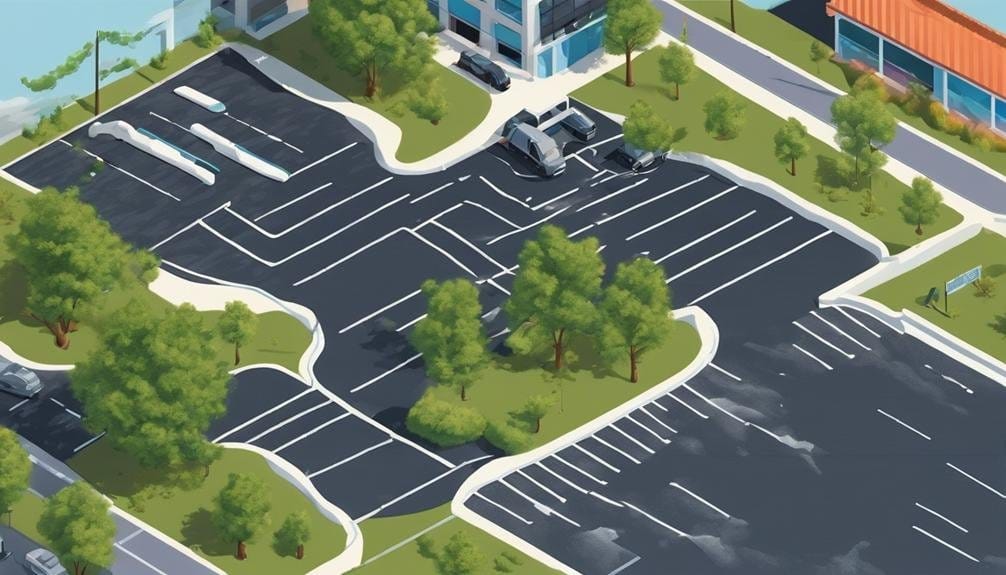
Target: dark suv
[484, 69]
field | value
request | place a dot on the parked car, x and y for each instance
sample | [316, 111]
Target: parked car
[19, 380]
[484, 69]
[538, 147]
[579, 125]
[635, 158]
[43, 562]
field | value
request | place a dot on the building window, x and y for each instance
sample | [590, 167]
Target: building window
[1000, 115]
[855, 43]
[511, 9]
[574, 47]
[558, 18]
[906, 68]
[968, 100]
[508, 44]
[545, 65]
[434, 8]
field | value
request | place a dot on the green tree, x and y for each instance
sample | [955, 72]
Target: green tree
[791, 143]
[76, 525]
[293, 534]
[554, 291]
[241, 509]
[206, 33]
[451, 337]
[237, 325]
[15, 469]
[376, 37]
[460, 555]
[921, 204]
[647, 130]
[724, 115]
[631, 25]
[862, 123]
[537, 407]
[154, 385]
[428, 101]
[7, 205]
[677, 66]
[443, 422]
[635, 309]
[507, 437]
[70, 258]
[819, 53]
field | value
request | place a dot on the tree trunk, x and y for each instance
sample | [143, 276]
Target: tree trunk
[237, 354]
[435, 122]
[537, 425]
[242, 552]
[371, 79]
[918, 229]
[792, 166]
[557, 346]
[677, 91]
[857, 168]
[300, 551]
[628, 68]
[464, 394]
[633, 365]
[97, 96]
[733, 22]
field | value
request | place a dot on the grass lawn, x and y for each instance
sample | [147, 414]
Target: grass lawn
[381, 533]
[26, 514]
[791, 43]
[753, 149]
[584, 391]
[181, 508]
[980, 321]
[297, 46]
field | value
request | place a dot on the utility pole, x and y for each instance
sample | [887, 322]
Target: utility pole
[733, 23]
[97, 44]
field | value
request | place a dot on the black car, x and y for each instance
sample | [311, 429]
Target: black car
[484, 69]
[580, 125]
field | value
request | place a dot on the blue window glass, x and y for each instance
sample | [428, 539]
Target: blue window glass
[968, 100]
[938, 84]
[1000, 115]
[855, 43]
[508, 44]
[511, 9]
[465, 11]
[434, 8]
[545, 66]
[905, 68]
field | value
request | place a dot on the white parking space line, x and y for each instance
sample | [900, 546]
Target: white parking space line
[647, 429]
[591, 455]
[356, 455]
[839, 330]
[959, 384]
[57, 402]
[386, 374]
[704, 237]
[504, 509]
[499, 333]
[824, 341]
[928, 510]
[577, 469]
[89, 441]
[311, 432]
[651, 200]
[431, 192]
[518, 230]
[903, 424]
[654, 418]
[422, 486]
[945, 544]
[141, 560]
[612, 176]
[380, 311]
[496, 285]
[605, 499]
[667, 526]
[130, 174]
[18, 404]
[692, 409]
[555, 199]
[465, 241]
[411, 323]
[162, 118]
[502, 193]
[607, 197]
[73, 413]
[293, 201]
[724, 372]
[261, 415]
[976, 480]
[444, 252]
[316, 162]
[584, 162]
[290, 419]
[661, 407]
[580, 231]
[733, 247]
[409, 539]
[695, 496]
[190, 226]
[625, 566]
[539, 506]
[856, 321]
[348, 257]
[712, 404]
[264, 133]
[561, 478]
[596, 144]
[541, 486]
[615, 449]
[812, 356]
[492, 213]
[685, 211]
[631, 438]
[749, 273]
[126, 539]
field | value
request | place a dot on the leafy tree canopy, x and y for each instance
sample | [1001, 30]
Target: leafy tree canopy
[237, 325]
[241, 509]
[451, 337]
[677, 66]
[921, 204]
[724, 115]
[460, 556]
[635, 310]
[444, 423]
[15, 469]
[647, 130]
[293, 534]
[791, 143]
[631, 25]
[78, 528]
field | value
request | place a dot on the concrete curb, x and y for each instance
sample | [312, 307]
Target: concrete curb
[352, 555]
[708, 333]
[7, 352]
[165, 539]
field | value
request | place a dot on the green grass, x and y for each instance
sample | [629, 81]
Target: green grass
[753, 149]
[297, 46]
[379, 534]
[26, 513]
[584, 392]
[180, 507]
[980, 321]
[793, 44]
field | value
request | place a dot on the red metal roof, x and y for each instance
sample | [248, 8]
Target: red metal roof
[938, 32]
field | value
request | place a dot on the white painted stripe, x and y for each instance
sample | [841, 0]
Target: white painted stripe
[580, 231]
[73, 413]
[18, 404]
[89, 442]
[445, 253]
[541, 221]
[380, 311]
[386, 374]
[160, 117]
[555, 199]
[618, 192]
[127, 538]
[703, 238]
[631, 438]
[431, 192]
[190, 226]
[332, 155]
[735, 246]
[408, 540]
[778, 258]
[347, 257]
[591, 455]
[419, 488]
[263, 414]
[615, 449]
[924, 508]
[497, 505]
[490, 212]
[836, 328]
[541, 486]
[814, 357]
[596, 144]
[293, 201]
[142, 561]
[857, 322]
[700, 499]
[465, 241]
[654, 418]
[291, 146]
[693, 410]
[954, 381]
[441, 213]
[651, 200]
[502, 193]
[613, 175]
[712, 404]
[605, 499]
[686, 211]
[561, 478]
[724, 372]
[584, 162]
[647, 429]
[350, 458]
[411, 323]
[670, 528]
[57, 402]
[656, 403]
[945, 544]
[131, 175]
[976, 480]
[288, 420]
[493, 283]
[824, 341]
[311, 432]
[627, 564]
[581, 471]
[905, 425]
[539, 506]
[499, 333]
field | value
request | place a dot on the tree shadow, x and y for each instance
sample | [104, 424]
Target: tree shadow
[995, 270]
[13, 292]
[199, 532]
[830, 172]
[679, 134]
[999, 324]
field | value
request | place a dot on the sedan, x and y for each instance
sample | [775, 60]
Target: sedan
[19, 380]
[579, 125]
[484, 69]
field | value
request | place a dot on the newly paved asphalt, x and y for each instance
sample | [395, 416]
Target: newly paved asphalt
[353, 243]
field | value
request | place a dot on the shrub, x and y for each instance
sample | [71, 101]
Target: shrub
[507, 437]
[870, 83]
[56, 117]
[206, 35]
[986, 287]
[444, 423]
[159, 62]
[956, 125]
[916, 100]
[936, 116]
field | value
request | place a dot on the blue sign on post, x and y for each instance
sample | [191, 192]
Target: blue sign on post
[972, 275]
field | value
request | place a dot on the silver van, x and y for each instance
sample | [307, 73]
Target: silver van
[538, 147]
[43, 562]
[18, 380]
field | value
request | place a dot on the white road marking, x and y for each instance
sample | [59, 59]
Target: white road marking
[141, 560]
[431, 192]
[293, 201]
[160, 117]
[857, 322]
[713, 404]
[411, 323]
[264, 133]
[290, 419]
[945, 544]
[350, 458]
[778, 258]
[656, 403]
[670, 528]
[577, 469]
[561, 478]
[631, 438]
[518, 230]
[685, 212]
[580, 231]
[73, 413]
[261, 415]
[316, 162]
[541, 486]
[625, 566]
[836, 328]
[127, 538]
[654, 418]
[824, 341]
[700, 499]
[959, 384]
[812, 356]
[596, 144]
[615, 449]
[704, 237]
[647, 429]
[905, 425]
[418, 488]
[57, 402]
[465, 241]
[733, 247]
[190, 226]
[497, 505]
[613, 175]
[130, 174]
[651, 200]
[584, 162]
[724, 372]
[437, 216]
[380, 311]
[976, 480]
[692, 409]
[18, 404]
[502, 193]
[589, 454]
[445, 253]
[89, 442]
[605, 499]
[493, 283]
[386, 374]
[618, 192]
[408, 540]
[311, 432]
[492, 213]
[539, 506]
[924, 508]
[499, 333]
[347, 257]
[555, 199]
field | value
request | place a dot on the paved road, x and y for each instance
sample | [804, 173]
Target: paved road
[932, 160]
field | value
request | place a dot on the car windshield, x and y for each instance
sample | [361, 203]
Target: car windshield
[481, 60]
[578, 121]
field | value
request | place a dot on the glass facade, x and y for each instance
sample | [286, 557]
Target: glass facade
[969, 100]
[545, 63]
[905, 68]
[1000, 115]
[574, 47]
[558, 18]
[434, 7]
[508, 44]
[511, 9]
[855, 43]
[465, 11]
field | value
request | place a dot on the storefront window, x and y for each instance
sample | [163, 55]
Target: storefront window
[969, 100]
[855, 43]
[906, 68]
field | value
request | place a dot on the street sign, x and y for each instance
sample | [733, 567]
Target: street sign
[972, 275]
